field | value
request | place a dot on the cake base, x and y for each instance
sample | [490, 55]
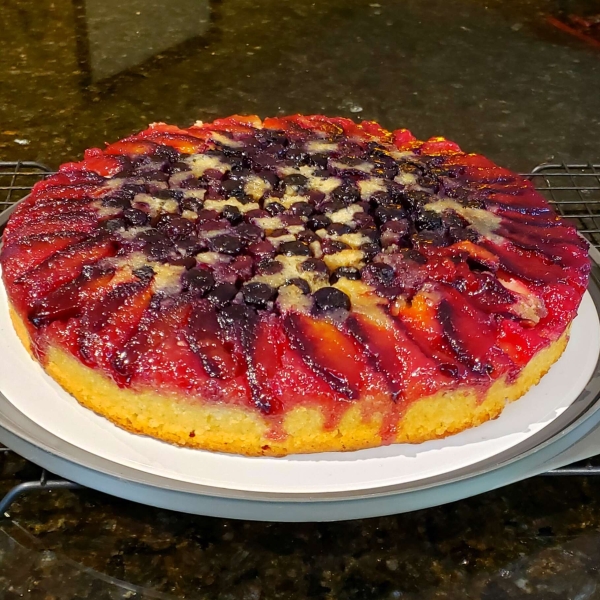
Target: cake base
[195, 423]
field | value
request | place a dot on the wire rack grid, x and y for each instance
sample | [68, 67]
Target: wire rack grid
[573, 189]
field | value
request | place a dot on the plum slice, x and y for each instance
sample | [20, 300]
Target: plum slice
[66, 301]
[469, 332]
[327, 351]
[527, 264]
[409, 372]
[26, 254]
[152, 331]
[264, 362]
[205, 337]
[63, 266]
[112, 320]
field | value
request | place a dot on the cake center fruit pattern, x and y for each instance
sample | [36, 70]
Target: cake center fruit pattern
[251, 261]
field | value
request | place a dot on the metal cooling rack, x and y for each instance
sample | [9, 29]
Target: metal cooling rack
[573, 189]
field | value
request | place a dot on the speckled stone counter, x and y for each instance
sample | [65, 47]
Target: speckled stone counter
[492, 75]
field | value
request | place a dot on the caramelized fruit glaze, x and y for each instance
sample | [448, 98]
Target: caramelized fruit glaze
[246, 262]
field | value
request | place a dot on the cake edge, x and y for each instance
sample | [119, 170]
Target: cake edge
[231, 429]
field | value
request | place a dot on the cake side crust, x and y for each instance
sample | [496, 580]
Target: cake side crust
[195, 423]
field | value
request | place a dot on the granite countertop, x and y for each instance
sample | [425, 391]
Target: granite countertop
[492, 75]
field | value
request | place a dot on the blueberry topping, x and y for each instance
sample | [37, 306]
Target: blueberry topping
[232, 214]
[119, 199]
[198, 280]
[301, 209]
[168, 194]
[238, 315]
[227, 244]
[346, 272]
[297, 180]
[269, 267]
[308, 237]
[330, 298]
[115, 224]
[295, 249]
[314, 265]
[370, 251]
[300, 283]
[382, 273]
[249, 233]
[258, 294]
[144, 273]
[274, 208]
[318, 222]
[135, 217]
[338, 229]
[231, 186]
[221, 294]
[333, 246]
[175, 227]
[192, 204]
[389, 213]
[428, 220]
[346, 193]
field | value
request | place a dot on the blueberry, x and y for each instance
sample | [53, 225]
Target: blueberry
[238, 315]
[370, 232]
[232, 214]
[119, 199]
[389, 213]
[269, 267]
[346, 193]
[338, 229]
[428, 220]
[415, 199]
[300, 283]
[301, 209]
[192, 204]
[370, 250]
[182, 261]
[135, 217]
[144, 273]
[168, 194]
[332, 206]
[274, 208]
[227, 244]
[258, 294]
[295, 249]
[178, 167]
[296, 179]
[132, 189]
[231, 186]
[314, 265]
[308, 237]
[318, 160]
[114, 224]
[381, 272]
[330, 298]
[175, 227]
[346, 272]
[156, 176]
[222, 294]
[167, 152]
[333, 246]
[249, 233]
[318, 222]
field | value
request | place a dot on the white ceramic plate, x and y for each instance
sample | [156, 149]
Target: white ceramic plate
[36, 395]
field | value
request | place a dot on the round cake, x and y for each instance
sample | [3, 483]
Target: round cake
[298, 284]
